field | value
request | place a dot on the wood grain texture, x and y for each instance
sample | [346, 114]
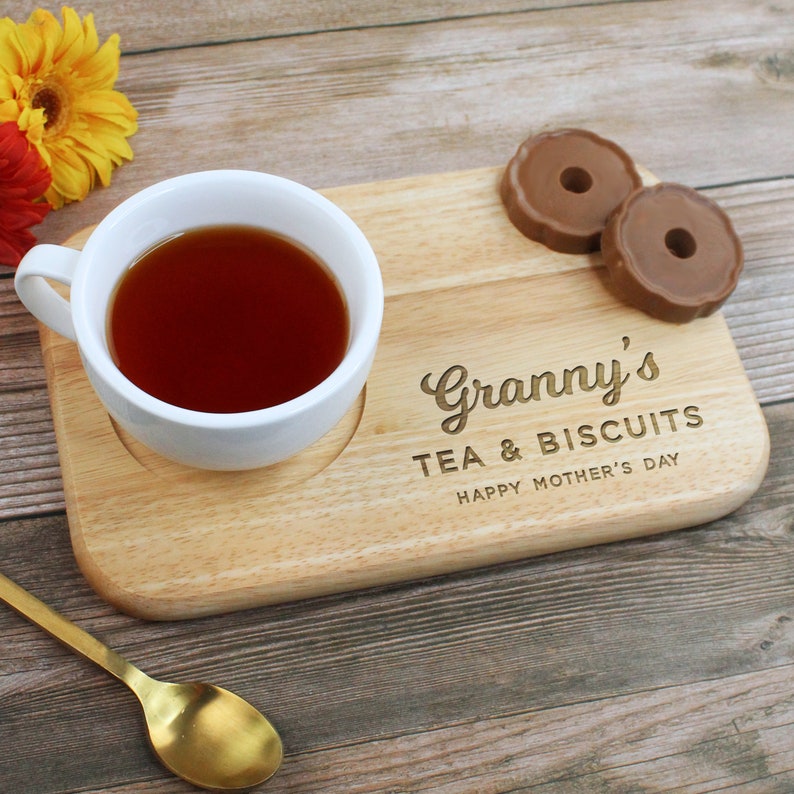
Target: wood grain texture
[656, 664]
[665, 658]
[595, 413]
[373, 103]
[30, 479]
[734, 730]
[203, 22]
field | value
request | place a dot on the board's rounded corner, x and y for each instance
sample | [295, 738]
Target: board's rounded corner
[762, 459]
[757, 467]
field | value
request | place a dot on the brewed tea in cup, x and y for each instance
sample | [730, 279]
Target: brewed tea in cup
[227, 318]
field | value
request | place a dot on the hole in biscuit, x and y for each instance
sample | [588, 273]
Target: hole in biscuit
[576, 180]
[680, 243]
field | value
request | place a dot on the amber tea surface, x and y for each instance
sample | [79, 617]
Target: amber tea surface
[225, 319]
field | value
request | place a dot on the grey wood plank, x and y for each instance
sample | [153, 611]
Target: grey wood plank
[181, 23]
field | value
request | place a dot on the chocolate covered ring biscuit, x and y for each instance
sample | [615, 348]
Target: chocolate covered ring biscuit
[672, 252]
[560, 187]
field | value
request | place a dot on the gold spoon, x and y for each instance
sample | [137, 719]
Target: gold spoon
[207, 735]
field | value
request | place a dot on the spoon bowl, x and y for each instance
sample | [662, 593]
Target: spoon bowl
[205, 734]
[210, 736]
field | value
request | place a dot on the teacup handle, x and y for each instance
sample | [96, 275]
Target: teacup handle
[56, 262]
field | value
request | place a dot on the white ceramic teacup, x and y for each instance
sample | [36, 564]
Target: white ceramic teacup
[210, 440]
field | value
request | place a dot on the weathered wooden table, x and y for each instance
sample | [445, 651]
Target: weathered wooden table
[662, 663]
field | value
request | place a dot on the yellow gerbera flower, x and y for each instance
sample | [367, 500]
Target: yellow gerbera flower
[56, 83]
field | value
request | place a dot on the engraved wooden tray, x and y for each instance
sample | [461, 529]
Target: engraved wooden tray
[515, 408]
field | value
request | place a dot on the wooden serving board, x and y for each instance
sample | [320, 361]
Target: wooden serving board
[552, 416]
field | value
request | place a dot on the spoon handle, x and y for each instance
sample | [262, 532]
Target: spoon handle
[69, 634]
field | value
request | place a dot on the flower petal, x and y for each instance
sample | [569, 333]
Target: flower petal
[56, 82]
[23, 179]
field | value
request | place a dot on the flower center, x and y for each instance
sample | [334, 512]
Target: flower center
[52, 100]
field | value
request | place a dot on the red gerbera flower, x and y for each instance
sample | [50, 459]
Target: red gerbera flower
[23, 180]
